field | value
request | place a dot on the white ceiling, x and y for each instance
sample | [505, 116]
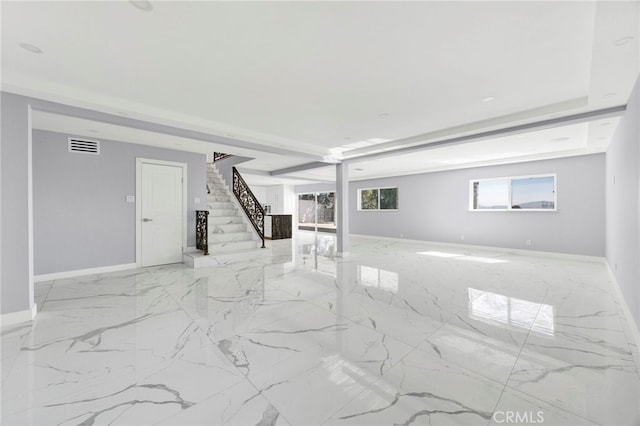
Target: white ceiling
[316, 77]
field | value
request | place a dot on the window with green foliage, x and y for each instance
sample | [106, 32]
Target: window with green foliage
[388, 198]
[378, 199]
[369, 199]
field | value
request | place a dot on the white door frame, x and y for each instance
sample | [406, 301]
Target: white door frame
[139, 163]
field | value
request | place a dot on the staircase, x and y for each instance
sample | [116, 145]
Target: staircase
[230, 235]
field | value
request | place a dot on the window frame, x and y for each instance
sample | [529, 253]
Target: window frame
[510, 180]
[359, 199]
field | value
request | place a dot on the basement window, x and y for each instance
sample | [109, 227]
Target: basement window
[521, 193]
[376, 199]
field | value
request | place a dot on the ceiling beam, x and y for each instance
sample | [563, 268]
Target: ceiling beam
[150, 126]
[300, 168]
[508, 131]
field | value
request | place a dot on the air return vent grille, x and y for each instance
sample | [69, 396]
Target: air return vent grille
[83, 146]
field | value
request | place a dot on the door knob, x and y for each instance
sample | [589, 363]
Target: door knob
[146, 219]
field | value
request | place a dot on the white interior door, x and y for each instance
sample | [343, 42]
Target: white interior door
[161, 213]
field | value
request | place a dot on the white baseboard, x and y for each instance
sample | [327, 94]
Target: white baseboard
[537, 253]
[635, 333]
[18, 317]
[81, 272]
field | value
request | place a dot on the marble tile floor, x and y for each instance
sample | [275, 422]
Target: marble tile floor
[396, 333]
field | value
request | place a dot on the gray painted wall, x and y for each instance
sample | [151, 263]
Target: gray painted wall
[16, 286]
[81, 217]
[623, 210]
[435, 207]
[226, 165]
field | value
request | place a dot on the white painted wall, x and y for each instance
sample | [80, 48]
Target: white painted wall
[281, 198]
[260, 192]
[289, 199]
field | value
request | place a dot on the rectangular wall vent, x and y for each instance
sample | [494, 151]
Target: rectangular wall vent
[83, 146]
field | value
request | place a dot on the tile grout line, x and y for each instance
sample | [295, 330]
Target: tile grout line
[47, 295]
[197, 326]
[243, 377]
[563, 409]
[524, 342]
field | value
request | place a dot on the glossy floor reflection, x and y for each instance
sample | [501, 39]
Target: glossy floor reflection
[395, 333]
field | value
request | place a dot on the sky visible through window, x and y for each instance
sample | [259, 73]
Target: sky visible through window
[493, 194]
[533, 193]
[526, 193]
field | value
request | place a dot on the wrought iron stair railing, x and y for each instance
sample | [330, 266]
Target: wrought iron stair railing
[202, 231]
[249, 203]
[217, 156]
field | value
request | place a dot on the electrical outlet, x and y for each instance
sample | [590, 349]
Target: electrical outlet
[462, 237]
[528, 242]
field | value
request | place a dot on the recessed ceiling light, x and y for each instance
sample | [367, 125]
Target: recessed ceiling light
[30, 48]
[606, 123]
[622, 41]
[560, 139]
[144, 5]
[609, 95]
[384, 115]
[601, 138]
[93, 130]
[359, 170]
[489, 99]
[122, 113]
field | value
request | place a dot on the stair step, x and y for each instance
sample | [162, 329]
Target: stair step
[222, 212]
[199, 260]
[223, 198]
[225, 228]
[218, 248]
[228, 229]
[225, 205]
[224, 220]
[221, 237]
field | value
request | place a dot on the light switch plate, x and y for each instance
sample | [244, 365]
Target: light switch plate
[196, 200]
[131, 198]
